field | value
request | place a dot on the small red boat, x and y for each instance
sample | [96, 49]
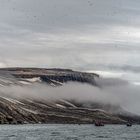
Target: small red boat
[99, 123]
[129, 124]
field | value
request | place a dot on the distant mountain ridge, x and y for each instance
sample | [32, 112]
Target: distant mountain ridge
[15, 110]
[51, 76]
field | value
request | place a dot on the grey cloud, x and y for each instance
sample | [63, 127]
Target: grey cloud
[81, 34]
[45, 14]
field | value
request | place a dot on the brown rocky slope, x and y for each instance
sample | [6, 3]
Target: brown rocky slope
[18, 111]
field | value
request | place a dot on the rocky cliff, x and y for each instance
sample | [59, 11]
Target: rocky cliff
[19, 110]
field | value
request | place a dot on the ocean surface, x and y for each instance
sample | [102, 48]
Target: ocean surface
[69, 132]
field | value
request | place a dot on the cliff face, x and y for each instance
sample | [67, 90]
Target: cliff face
[51, 76]
[17, 110]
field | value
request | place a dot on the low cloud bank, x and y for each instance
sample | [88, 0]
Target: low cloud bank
[110, 91]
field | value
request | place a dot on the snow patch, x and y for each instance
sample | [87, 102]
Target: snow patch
[12, 100]
[61, 106]
[24, 82]
[57, 82]
[29, 110]
[35, 79]
[68, 103]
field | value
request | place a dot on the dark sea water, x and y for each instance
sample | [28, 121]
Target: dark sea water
[69, 132]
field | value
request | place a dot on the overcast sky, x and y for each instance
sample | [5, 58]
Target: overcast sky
[78, 34]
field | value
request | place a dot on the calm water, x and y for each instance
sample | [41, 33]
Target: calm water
[69, 132]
